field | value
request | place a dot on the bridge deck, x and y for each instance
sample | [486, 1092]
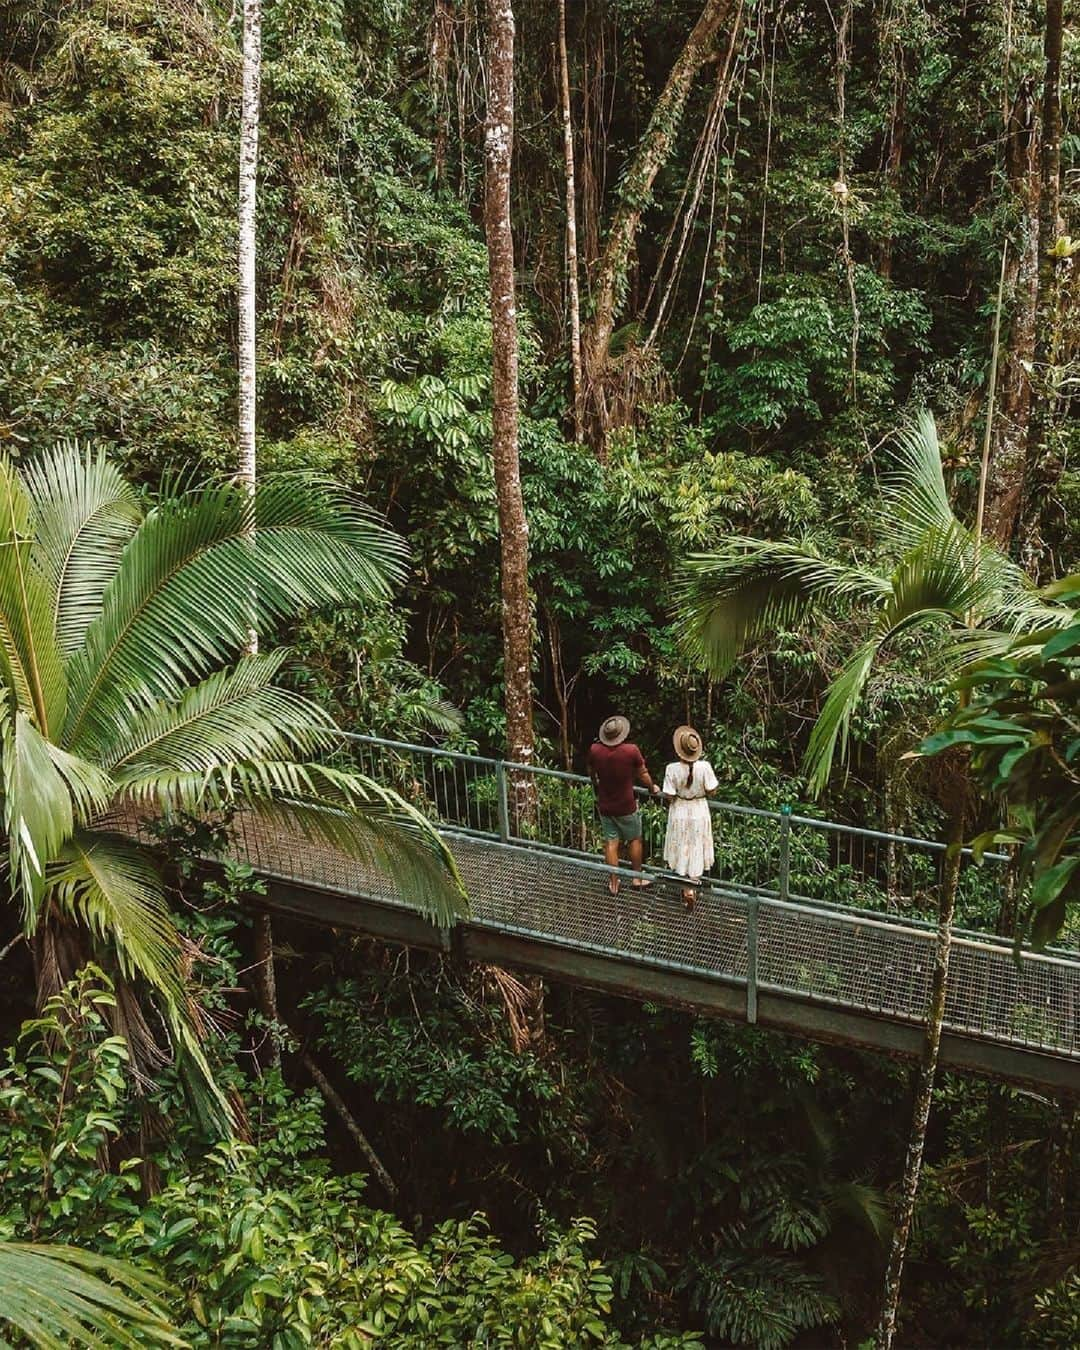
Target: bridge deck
[823, 973]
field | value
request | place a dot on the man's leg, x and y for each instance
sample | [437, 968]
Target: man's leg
[611, 857]
[636, 847]
[637, 853]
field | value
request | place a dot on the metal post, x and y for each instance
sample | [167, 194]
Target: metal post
[785, 852]
[751, 958]
[503, 801]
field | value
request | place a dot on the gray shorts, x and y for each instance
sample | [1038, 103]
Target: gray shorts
[624, 828]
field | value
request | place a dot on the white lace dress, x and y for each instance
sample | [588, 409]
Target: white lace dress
[688, 847]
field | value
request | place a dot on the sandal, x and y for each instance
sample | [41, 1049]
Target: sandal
[689, 897]
[613, 884]
[642, 883]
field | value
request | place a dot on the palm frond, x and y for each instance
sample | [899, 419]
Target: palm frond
[110, 886]
[107, 883]
[1019, 606]
[192, 580]
[31, 654]
[937, 576]
[84, 514]
[334, 807]
[232, 715]
[55, 1298]
[342, 548]
[751, 587]
[169, 610]
[38, 813]
[855, 1200]
[834, 721]
[916, 499]
[385, 835]
[91, 787]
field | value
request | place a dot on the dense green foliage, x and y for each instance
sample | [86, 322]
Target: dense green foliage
[738, 1185]
[260, 1243]
[1024, 737]
[117, 262]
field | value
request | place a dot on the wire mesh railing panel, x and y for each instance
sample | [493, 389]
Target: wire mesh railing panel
[891, 874]
[295, 856]
[1036, 1004]
[836, 957]
[452, 789]
[863, 869]
[747, 846]
[557, 809]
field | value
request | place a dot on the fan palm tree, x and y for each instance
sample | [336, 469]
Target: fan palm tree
[125, 689]
[55, 1298]
[938, 576]
[933, 575]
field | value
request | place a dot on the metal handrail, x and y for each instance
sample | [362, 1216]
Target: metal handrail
[733, 808]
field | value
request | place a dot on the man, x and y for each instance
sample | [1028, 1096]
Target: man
[615, 764]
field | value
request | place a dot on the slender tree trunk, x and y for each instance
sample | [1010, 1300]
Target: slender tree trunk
[1059, 1169]
[334, 1099]
[1008, 453]
[513, 529]
[924, 1089]
[1051, 223]
[593, 140]
[573, 297]
[262, 935]
[249, 162]
[635, 193]
[563, 686]
[894, 151]
[1043, 465]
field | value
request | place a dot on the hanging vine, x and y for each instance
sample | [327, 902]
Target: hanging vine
[702, 167]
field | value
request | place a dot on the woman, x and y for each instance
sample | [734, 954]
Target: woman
[688, 784]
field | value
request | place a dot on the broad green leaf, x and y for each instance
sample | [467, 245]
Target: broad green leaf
[1049, 884]
[57, 1297]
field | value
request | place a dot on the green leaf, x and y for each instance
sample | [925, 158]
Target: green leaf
[1065, 643]
[30, 654]
[111, 886]
[54, 1296]
[1049, 884]
[38, 812]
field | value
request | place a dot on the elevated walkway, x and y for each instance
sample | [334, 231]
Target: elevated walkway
[769, 943]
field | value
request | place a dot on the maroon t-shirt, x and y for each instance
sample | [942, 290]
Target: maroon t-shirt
[614, 769]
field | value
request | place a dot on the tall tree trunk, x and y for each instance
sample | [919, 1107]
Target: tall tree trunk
[513, 529]
[1043, 465]
[924, 1088]
[1008, 453]
[1059, 1169]
[634, 195]
[573, 298]
[249, 163]
[262, 936]
[1050, 220]
[334, 1099]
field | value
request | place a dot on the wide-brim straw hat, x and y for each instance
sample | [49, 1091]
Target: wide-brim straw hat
[614, 731]
[688, 744]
